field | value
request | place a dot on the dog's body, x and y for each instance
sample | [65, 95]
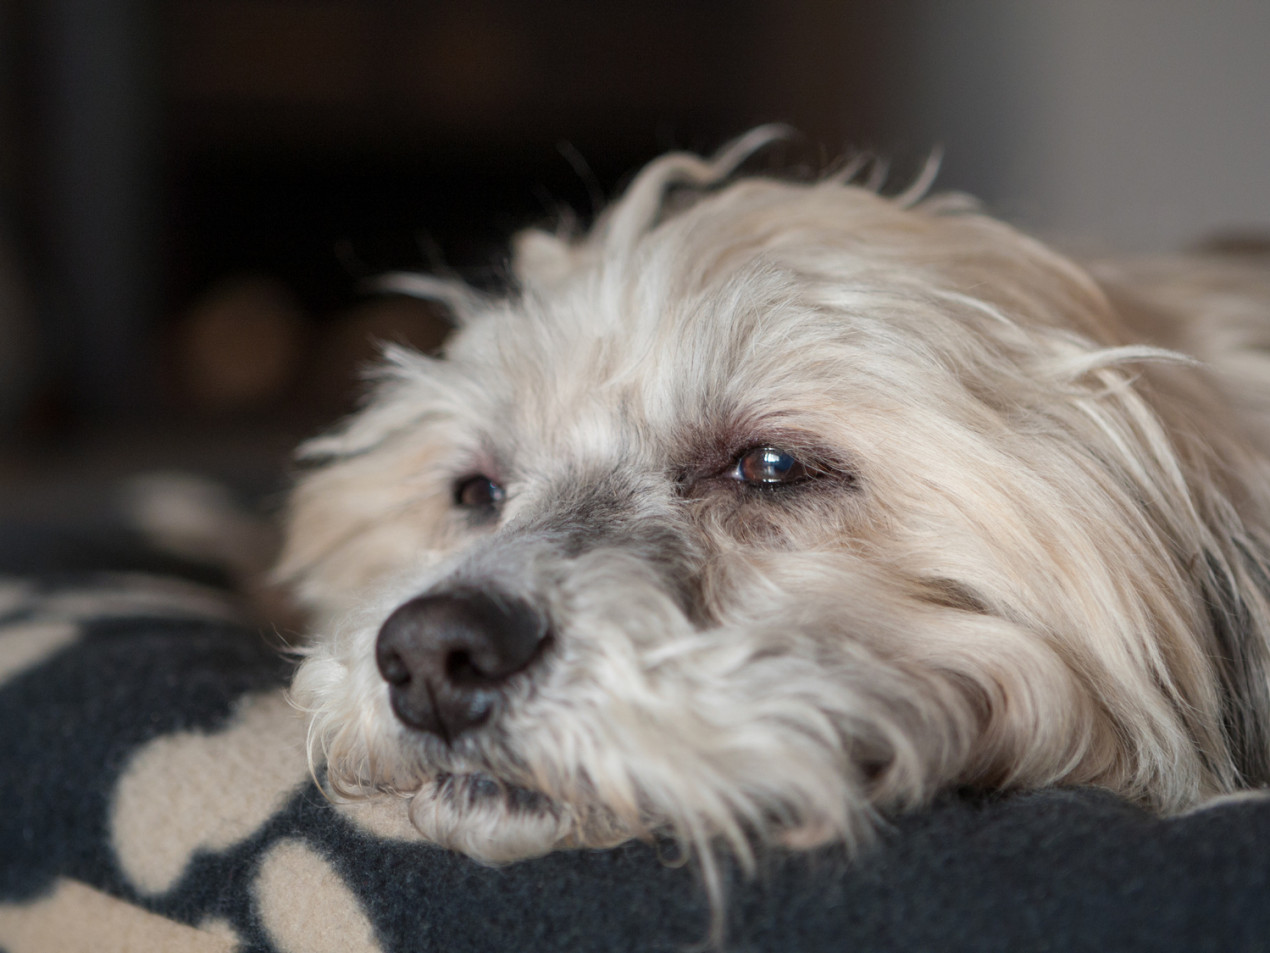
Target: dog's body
[767, 506]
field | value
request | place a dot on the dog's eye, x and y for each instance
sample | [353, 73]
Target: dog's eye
[478, 492]
[768, 466]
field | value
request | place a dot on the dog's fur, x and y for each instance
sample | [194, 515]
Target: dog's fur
[1031, 546]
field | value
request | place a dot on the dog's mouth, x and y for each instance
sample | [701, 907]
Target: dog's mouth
[485, 790]
[489, 818]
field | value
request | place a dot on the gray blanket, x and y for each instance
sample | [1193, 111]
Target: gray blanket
[156, 796]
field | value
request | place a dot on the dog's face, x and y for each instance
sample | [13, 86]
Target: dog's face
[747, 519]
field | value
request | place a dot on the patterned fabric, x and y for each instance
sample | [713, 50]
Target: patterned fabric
[156, 797]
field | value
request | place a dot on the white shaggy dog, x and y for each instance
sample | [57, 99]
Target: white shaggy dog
[764, 507]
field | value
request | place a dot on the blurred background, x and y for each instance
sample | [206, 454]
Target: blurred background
[193, 192]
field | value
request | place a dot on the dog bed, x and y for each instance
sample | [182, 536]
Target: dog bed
[157, 797]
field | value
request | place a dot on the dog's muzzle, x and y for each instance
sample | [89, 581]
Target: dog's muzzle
[448, 657]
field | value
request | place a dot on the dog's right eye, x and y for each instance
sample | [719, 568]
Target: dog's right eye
[769, 466]
[478, 492]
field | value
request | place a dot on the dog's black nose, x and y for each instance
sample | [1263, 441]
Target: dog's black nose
[447, 657]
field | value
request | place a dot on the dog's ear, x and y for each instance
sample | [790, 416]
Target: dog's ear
[361, 520]
[1237, 600]
[370, 501]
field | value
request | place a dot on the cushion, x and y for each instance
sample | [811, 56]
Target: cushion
[157, 797]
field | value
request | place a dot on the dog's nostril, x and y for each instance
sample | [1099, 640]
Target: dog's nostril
[460, 668]
[393, 668]
[447, 657]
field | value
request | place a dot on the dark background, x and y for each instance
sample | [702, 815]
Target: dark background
[193, 192]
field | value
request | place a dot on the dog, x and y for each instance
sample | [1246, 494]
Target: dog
[764, 509]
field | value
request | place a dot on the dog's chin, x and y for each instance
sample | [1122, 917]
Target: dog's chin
[496, 821]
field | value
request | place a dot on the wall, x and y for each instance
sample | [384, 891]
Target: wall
[1138, 124]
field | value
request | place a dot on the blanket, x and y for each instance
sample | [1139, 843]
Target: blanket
[157, 796]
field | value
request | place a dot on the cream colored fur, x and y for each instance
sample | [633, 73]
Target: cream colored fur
[1036, 553]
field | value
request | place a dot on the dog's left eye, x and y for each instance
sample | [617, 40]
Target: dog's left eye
[768, 466]
[478, 492]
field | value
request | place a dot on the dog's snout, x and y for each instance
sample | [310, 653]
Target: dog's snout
[447, 657]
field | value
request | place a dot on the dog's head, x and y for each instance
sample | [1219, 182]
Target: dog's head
[758, 508]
